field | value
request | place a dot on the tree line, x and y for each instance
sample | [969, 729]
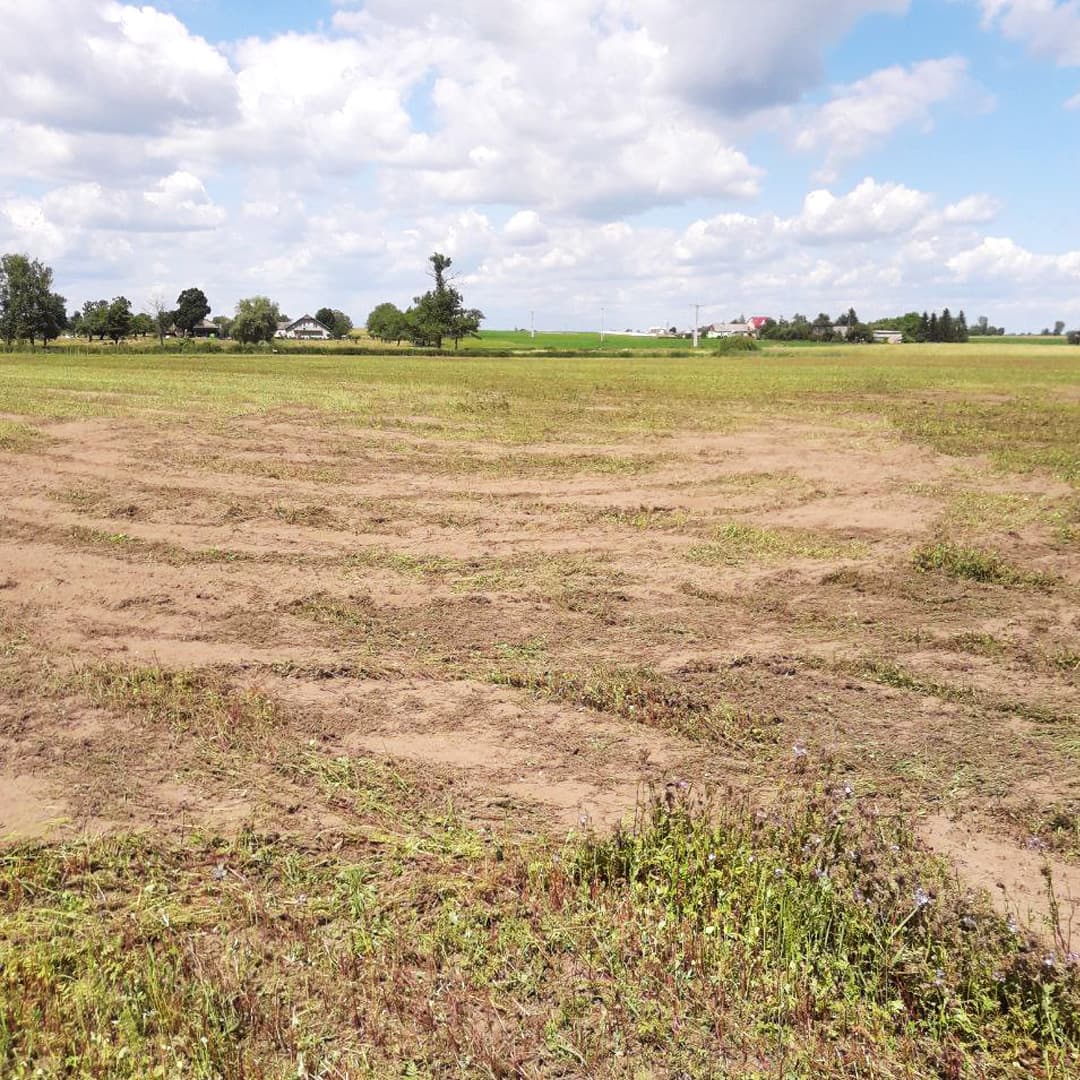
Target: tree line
[437, 314]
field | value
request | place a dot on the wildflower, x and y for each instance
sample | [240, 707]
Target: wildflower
[799, 751]
[821, 875]
[1033, 843]
[683, 785]
[859, 895]
[998, 977]
[967, 923]
[778, 872]
[1072, 959]
[1011, 926]
[1049, 961]
[583, 820]
[939, 978]
[848, 792]
[922, 898]
[712, 856]
[218, 873]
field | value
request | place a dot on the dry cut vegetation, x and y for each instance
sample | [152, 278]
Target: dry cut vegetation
[696, 716]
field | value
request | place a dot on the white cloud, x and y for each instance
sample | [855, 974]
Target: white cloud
[860, 116]
[1049, 28]
[523, 138]
[107, 67]
[1003, 258]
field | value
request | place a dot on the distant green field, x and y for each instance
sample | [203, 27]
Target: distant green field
[959, 398]
[1020, 339]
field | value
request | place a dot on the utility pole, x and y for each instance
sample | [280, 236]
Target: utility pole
[532, 325]
[697, 319]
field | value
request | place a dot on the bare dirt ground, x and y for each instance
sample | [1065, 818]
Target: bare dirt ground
[544, 628]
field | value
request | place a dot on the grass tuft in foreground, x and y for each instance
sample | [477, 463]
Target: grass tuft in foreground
[975, 564]
[704, 941]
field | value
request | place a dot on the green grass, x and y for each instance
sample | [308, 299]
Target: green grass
[736, 543]
[591, 398]
[977, 564]
[791, 944]
[19, 438]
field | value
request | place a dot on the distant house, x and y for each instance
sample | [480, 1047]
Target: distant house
[889, 337]
[758, 322]
[734, 329]
[306, 328]
[206, 329]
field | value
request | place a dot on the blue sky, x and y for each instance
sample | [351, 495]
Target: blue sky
[635, 154]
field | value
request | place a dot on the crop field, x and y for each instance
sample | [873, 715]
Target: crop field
[644, 717]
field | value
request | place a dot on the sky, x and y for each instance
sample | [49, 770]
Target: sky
[577, 159]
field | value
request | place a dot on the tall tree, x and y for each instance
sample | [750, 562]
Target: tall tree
[961, 332]
[257, 319]
[441, 312]
[191, 309]
[1059, 328]
[118, 319]
[93, 319]
[946, 326]
[52, 318]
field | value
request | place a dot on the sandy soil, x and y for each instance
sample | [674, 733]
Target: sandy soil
[378, 584]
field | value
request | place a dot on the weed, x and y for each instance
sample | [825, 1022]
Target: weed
[735, 543]
[976, 564]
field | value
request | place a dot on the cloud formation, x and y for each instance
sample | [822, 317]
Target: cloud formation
[565, 153]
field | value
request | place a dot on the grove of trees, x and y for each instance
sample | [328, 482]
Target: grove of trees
[29, 309]
[440, 313]
[256, 320]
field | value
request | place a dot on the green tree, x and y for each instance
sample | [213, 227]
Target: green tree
[118, 319]
[52, 318]
[441, 312]
[961, 329]
[257, 319]
[1059, 328]
[27, 302]
[933, 332]
[337, 322]
[142, 324]
[1073, 337]
[946, 326]
[191, 309]
[822, 327]
[387, 322]
[92, 322]
[223, 323]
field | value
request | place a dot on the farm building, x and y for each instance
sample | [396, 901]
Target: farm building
[735, 329]
[206, 329]
[889, 337]
[307, 327]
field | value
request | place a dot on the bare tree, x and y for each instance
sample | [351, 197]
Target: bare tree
[161, 313]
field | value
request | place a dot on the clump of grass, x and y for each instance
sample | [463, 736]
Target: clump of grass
[976, 564]
[639, 694]
[312, 515]
[18, 438]
[793, 943]
[197, 703]
[736, 543]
